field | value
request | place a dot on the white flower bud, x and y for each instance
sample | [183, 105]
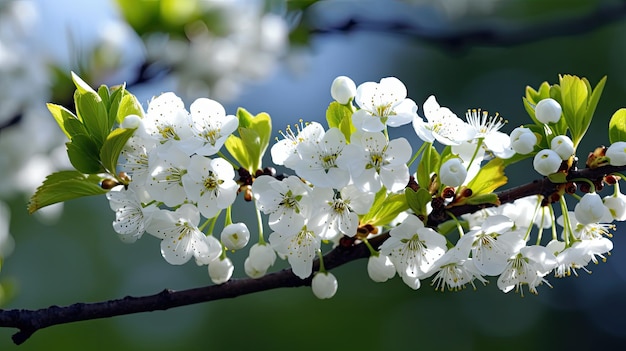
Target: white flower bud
[547, 162]
[235, 236]
[617, 206]
[617, 153]
[548, 111]
[220, 270]
[260, 259]
[563, 146]
[523, 140]
[324, 285]
[343, 89]
[452, 172]
[591, 209]
[380, 268]
[131, 122]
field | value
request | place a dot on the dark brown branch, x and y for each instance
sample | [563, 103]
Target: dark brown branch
[29, 321]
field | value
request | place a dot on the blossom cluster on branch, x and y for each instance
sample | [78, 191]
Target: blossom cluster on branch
[174, 173]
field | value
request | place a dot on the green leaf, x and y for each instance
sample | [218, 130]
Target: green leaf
[617, 126]
[129, 105]
[417, 200]
[103, 92]
[112, 148]
[91, 110]
[385, 208]
[81, 85]
[62, 186]
[574, 95]
[593, 100]
[62, 115]
[84, 154]
[489, 178]
[340, 116]
[254, 137]
[427, 166]
[483, 199]
[558, 178]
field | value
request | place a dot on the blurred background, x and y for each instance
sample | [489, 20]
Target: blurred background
[281, 58]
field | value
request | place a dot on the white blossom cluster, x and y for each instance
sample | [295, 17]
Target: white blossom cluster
[179, 176]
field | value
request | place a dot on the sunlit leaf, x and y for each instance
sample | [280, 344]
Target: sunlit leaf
[62, 186]
[617, 126]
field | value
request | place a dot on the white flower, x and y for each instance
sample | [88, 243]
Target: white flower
[591, 209]
[547, 162]
[318, 163]
[454, 270]
[488, 129]
[167, 165]
[284, 151]
[338, 212]
[181, 237]
[492, 244]
[413, 249]
[380, 268]
[616, 153]
[131, 218]
[324, 285]
[523, 140]
[443, 125]
[235, 236]
[382, 164]
[382, 104]
[169, 122]
[529, 266]
[209, 182]
[548, 111]
[220, 270]
[343, 89]
[299, 248]
[562, 145]
[211, 125]
[285, 201]
[452, 172]
[259, 260]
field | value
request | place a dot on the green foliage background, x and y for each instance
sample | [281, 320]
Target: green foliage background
[80, 259]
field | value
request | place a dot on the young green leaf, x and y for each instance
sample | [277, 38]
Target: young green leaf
[84, 154]
[91, 110]
[62, 186]
[81, 85]
[112, 148]
[427, 166]
[129, 105]
[417, 200]
[617, 126]
[340, 116]
[254, 137]
[61, 116]
[385, 208]
[489, 178]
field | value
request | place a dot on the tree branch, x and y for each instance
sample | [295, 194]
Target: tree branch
[489, 33]
[29, 321]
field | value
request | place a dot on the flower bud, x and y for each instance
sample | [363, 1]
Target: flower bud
[563, 146]
[523, 140]
[617, 206]
[547, 162]
[617, 153]
[235, 236]
[452, 172]
[380, 268]
[260, 259]
[343, 89]
[220, 270]
[324, 285]
[591, 209]
[548, 111]
[131, 122]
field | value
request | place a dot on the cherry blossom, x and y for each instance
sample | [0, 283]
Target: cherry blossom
[383, 104]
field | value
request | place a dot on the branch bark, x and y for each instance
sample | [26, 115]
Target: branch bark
[29, 321]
